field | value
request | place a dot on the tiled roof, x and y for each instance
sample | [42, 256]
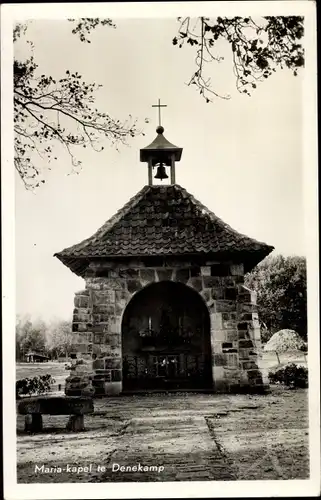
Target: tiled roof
[164, 221]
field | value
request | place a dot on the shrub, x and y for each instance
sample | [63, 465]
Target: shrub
[291, 375]
[35, 385]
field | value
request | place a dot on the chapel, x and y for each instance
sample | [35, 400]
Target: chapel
[164, 307]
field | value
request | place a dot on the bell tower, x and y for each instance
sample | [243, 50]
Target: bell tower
[160, 154]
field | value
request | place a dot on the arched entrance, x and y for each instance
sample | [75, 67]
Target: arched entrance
[166, 340]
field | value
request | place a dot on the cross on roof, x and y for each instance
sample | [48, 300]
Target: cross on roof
[159, 106]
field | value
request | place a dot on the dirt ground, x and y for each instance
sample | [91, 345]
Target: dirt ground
[176, 436]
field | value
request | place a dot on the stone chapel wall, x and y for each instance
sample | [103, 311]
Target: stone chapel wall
[235, 332]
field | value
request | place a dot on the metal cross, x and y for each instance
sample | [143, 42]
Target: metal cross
[159, 106]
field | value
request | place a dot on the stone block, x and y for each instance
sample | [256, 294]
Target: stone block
[245, 344]
[244, 335]
[225, 306]
[195, 271]
[231, 335]
[121, 295]
[217, 347]
[115, 325]
[228, 281]
[112, 388]
[101, 376]
[219, 360]
[99, 364]
[245, 316]
[113, 364]
[244, 354]
[212, 281]
[229, 316]
[231, 359]
[216, 321]
[237, 269]
[115, 284]
[164, 274]
[120, 306]
[81, 348]
[82, 292]
[218, 373]
[110, 296]
[246, 307]
[218, 335]
[129, 273]
[255, 375]
[230, 293]
[217, 293]
[229, 325]
[255, 323]
[112, 340]
[227, 345]
[244, 297]
[242, 325]
[98, 338]
[116, 375]
[220, 270]
[148, 275]
[206, 270]
[104, 318]
[81, 301]
[238, 280]
[182, 275]
[196, 283]
[211, 306]
[206, 294]
[133, 285]
[114, 352]
[253, 297]
[100, 328]
[248, 365]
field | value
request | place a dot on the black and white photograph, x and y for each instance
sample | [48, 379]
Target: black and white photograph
[160, 270]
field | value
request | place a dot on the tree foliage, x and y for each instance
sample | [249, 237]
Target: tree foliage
[49, 111]
[259, 48]
[52, 338]
[281, 287]
[59, 339]
[30, 336]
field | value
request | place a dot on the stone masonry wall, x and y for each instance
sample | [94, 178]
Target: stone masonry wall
[235, 332]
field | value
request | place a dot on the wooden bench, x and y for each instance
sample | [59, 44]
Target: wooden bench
[76, 407]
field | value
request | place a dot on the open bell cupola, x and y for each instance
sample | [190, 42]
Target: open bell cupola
[161, 154]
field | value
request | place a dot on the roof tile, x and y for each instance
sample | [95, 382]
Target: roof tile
[160, 221]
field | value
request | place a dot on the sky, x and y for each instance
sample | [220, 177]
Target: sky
[242, 157]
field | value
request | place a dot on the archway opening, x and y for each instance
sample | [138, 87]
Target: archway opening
[166, 340]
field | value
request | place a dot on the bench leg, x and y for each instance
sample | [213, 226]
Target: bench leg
[76, 423]
[33, 422]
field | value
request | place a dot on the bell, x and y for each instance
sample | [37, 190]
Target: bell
[161, 173]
